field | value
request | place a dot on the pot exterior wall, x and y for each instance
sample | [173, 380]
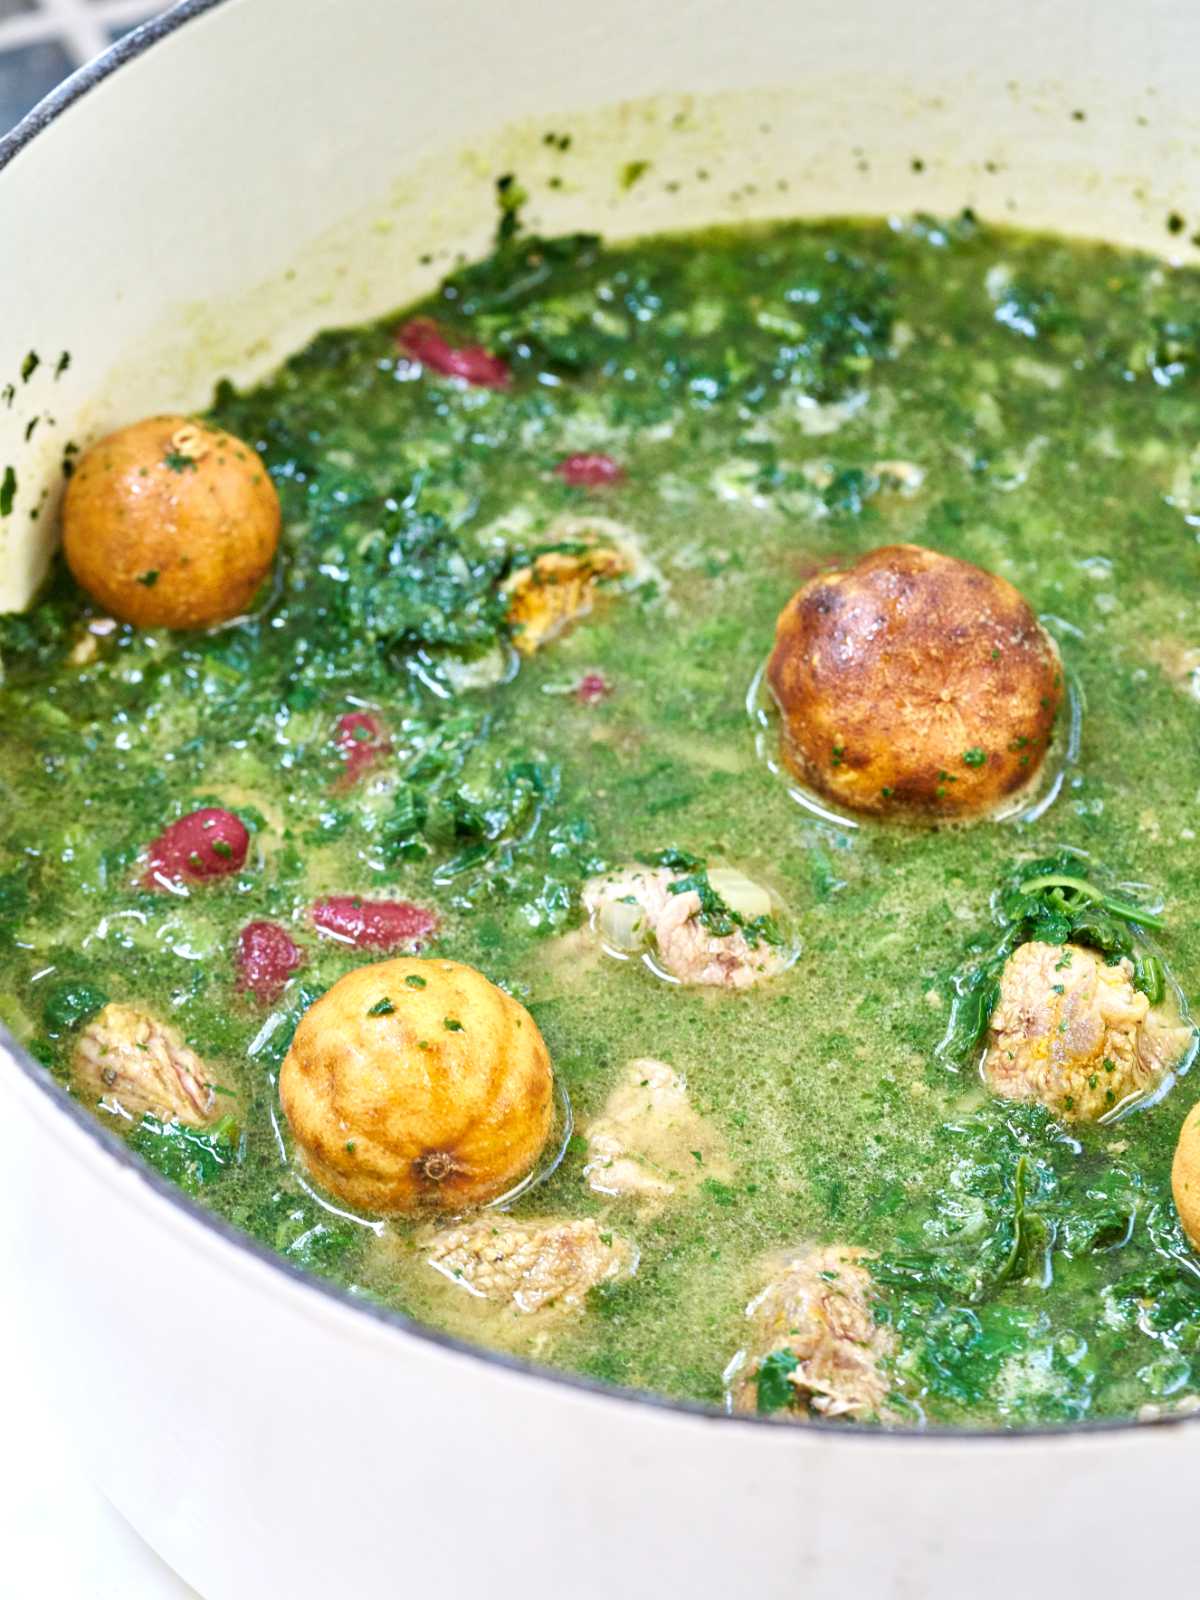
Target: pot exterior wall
[270, 1440]
[275, 165]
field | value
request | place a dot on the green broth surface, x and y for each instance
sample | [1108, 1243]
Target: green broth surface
[754, 386]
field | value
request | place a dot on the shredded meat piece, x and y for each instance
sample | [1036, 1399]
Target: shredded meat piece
[612, 1170]
[534, 1266]
[1072, 1032]
[819, 1307]
[557, 590]
[131, 1062]
[685, 948]
[1180, 662]
[649, 1142]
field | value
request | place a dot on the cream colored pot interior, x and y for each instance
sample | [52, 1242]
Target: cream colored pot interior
[326, 168]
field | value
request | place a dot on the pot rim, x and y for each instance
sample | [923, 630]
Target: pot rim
[126, 49]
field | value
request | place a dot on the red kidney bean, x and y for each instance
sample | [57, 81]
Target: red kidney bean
[265, 959]
[209, 843]
[360, 741]
[373, 924]
[590, 471]
[425, 342]
[591, 687]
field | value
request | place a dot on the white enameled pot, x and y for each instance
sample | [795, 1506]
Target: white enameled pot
[222, 184]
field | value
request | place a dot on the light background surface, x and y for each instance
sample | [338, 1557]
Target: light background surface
[41, 41]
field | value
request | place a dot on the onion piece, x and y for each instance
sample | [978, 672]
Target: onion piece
[740, 893]
[481, 671]
[623, 925]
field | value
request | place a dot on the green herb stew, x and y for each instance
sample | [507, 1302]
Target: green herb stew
[854, 1117]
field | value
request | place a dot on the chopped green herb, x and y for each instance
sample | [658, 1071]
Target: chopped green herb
[191, 1157]
[510, 197]
[721, 1194]
[775, 1389]
[67, 1005]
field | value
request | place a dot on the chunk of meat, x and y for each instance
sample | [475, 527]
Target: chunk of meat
[530, 1266]
[360, 741]
[425, 342]
[1179, 661]
[208, 843]
[1073, 1033]
[557, 589]
[649, 1142]
[266, 957]
[130, 1062]
[373, 924]
[683, 947]
[818, 1309]
[589, 471]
